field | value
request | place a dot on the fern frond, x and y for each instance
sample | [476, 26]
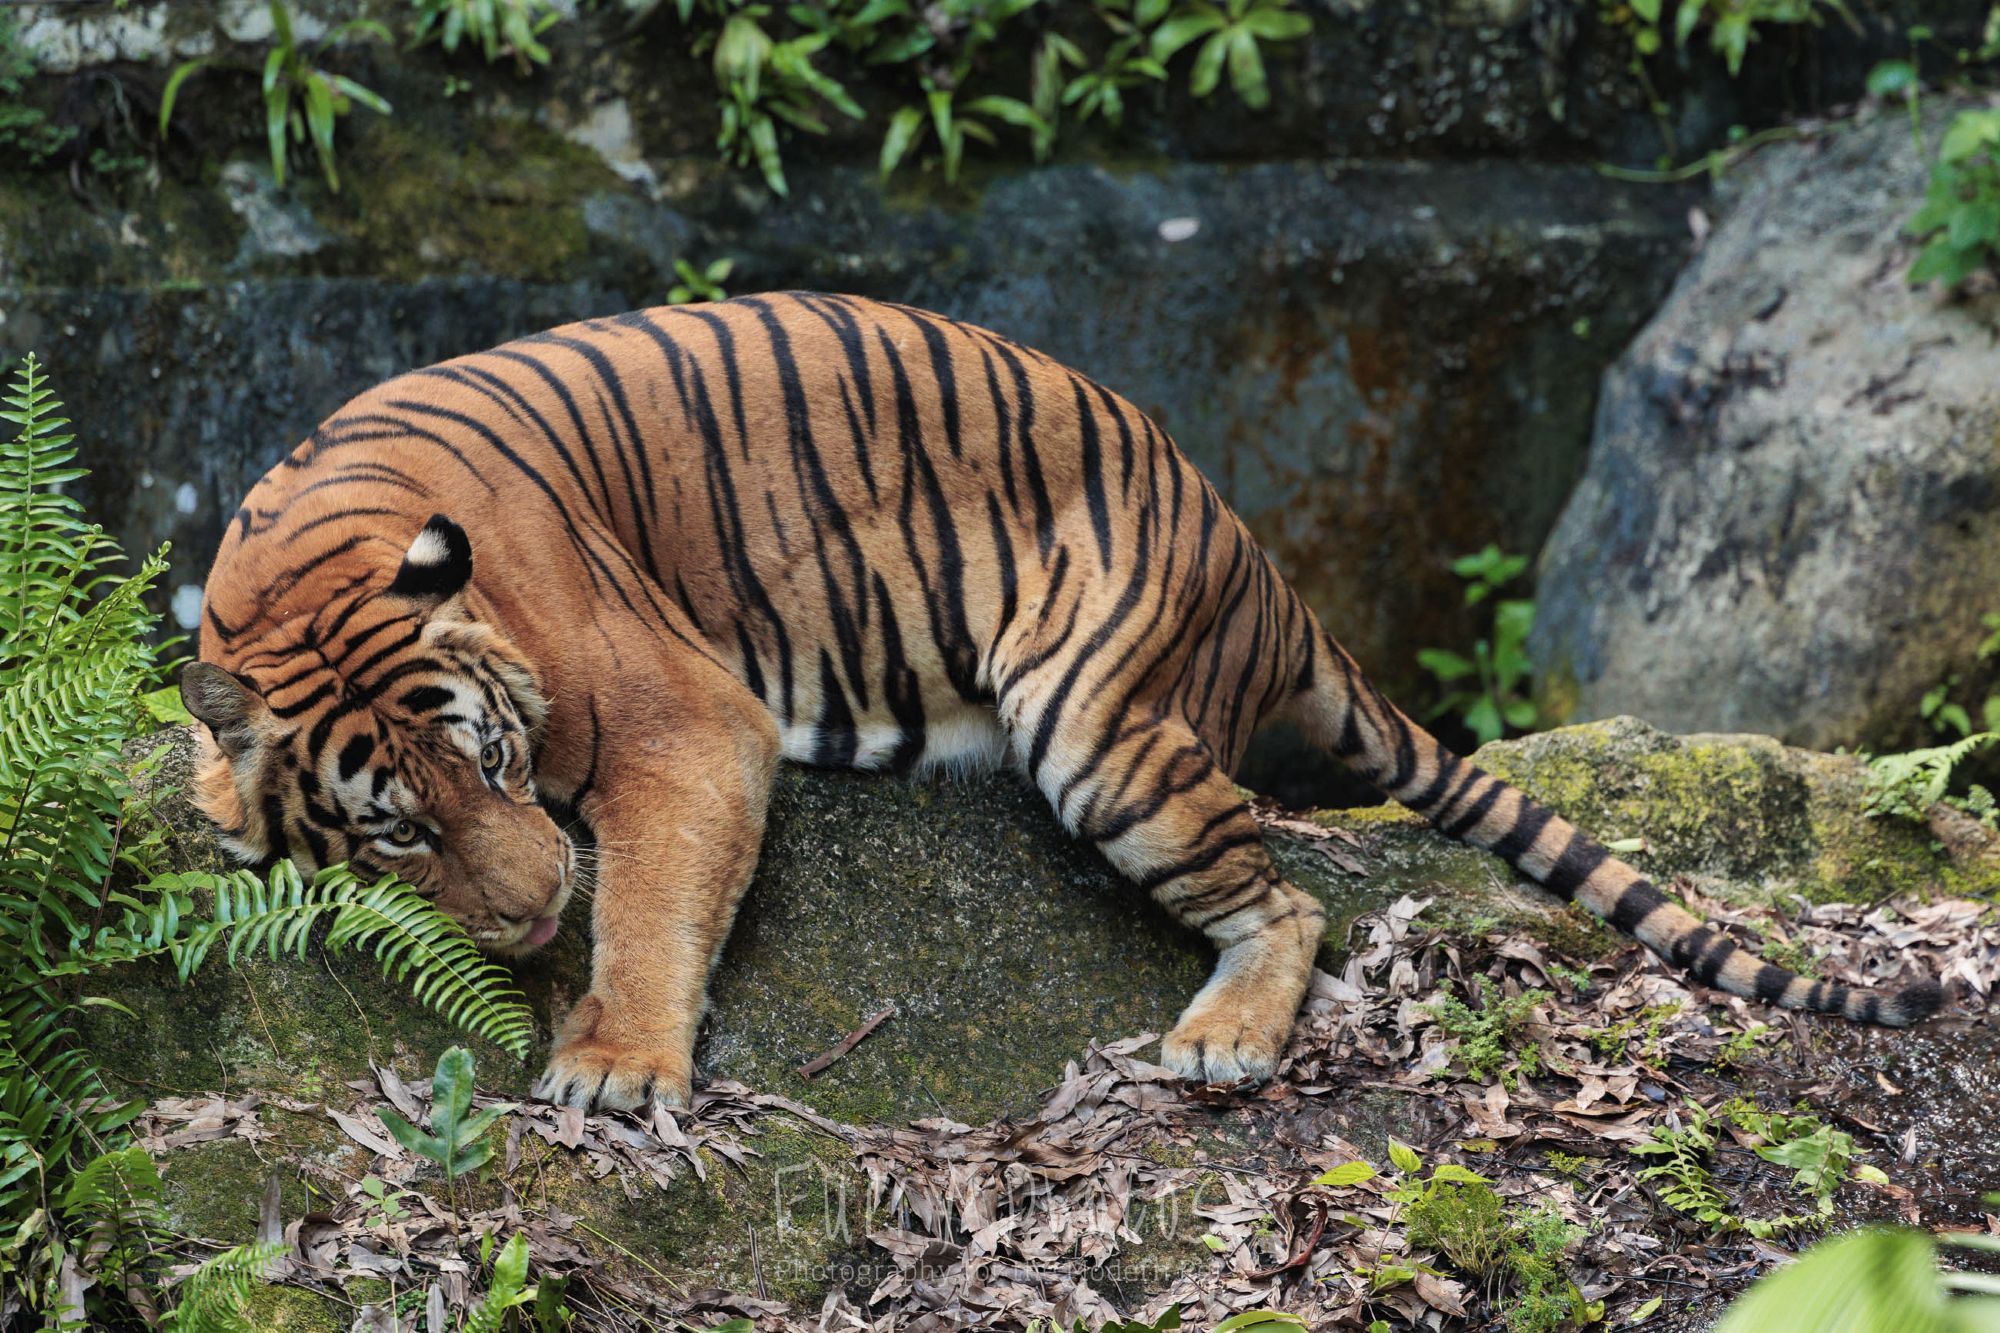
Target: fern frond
[416, 944]
[211, 1299]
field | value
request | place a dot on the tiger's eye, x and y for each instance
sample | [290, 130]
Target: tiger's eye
[492, 756]
[404, 833]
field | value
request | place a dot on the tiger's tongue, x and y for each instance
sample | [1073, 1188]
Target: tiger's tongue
[541, 932]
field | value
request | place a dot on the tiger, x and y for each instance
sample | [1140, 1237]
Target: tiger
[621, 569]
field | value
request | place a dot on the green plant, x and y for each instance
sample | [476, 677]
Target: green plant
[946, 111]
[1732, 24]
[1098, 90]
[765, 81]
[1464, 1221]
[81, 890]
[508, 1287]
[1877, 1280]
[1490, 1038]
[24, 129]
[211, 1299]
[1959, 221]
[301, 100]
[1229, 34]
[1818, 1155]
[1489, 691]
[1457, 1213]
[497, 27]
[1909, 784]
[942, 50]
[700, 284]
[454, 1144]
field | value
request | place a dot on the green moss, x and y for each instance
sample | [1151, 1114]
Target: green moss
[295, 1309]
[499, 195]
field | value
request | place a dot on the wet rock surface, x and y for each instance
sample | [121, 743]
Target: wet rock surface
[1788, 520]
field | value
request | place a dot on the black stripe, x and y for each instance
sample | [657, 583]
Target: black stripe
[1637, 901]
[1529, 821]
[1578, 862]
[1091, 466]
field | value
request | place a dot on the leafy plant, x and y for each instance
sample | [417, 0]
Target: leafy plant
[1490, 1037]
[508, 1288]
[1456, 1213]
[81, 890]
[1732, 24]
[301, 100]
[211, 1299]
[1959, 221]
[1876, 1280]
[497, 27]
[769, 81]
[1818, 1154]
[1489, 691]
[24, 129]
[1229, 34]
[953, 123]
[1909, 784]
[454, 1144]
[700, 284]
[765, 81]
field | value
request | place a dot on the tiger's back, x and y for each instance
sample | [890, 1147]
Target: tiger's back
[831, 529]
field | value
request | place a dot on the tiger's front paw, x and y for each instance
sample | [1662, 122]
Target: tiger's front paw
[600, 1064]
[1225, 1042]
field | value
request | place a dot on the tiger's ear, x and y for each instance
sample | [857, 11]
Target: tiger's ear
[437, 566]
[233, 712]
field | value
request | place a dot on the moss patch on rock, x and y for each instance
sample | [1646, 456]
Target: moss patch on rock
[1747, 818]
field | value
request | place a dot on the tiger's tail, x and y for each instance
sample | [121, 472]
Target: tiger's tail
[1342, 712]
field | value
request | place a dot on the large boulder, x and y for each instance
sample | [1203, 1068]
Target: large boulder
[1005, 948]
[1790, 521]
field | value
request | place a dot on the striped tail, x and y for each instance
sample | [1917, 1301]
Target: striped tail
[1342, 711]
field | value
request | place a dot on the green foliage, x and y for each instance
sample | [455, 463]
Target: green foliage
[1228, 34]
[454, 1144]
[765, 81]
[1909, 784]
[700, 284]
[1959, 221]
[24, 129]
[211, 1299]
[508, 1288]
[1731, 24]
[1818, 1154]
[497, 27]
[766, 71]
[301, 100]
[1877, 1280]
[1489, 692]
[1490, 1038]
[77, 668]
[1456, 1213]
[1466, 1222]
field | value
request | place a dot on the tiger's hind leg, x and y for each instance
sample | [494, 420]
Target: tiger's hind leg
[1152, 799]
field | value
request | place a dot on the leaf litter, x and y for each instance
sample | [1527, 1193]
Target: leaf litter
[1128, 1195]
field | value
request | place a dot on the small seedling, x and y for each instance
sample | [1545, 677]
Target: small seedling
[454, 1143]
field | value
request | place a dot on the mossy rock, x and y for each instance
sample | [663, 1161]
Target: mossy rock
[1005, 946]
[1745, 817]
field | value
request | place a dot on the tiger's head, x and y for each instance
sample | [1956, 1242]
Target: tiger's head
[397, 734]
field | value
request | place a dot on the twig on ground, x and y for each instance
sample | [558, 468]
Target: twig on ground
[820, 1063]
